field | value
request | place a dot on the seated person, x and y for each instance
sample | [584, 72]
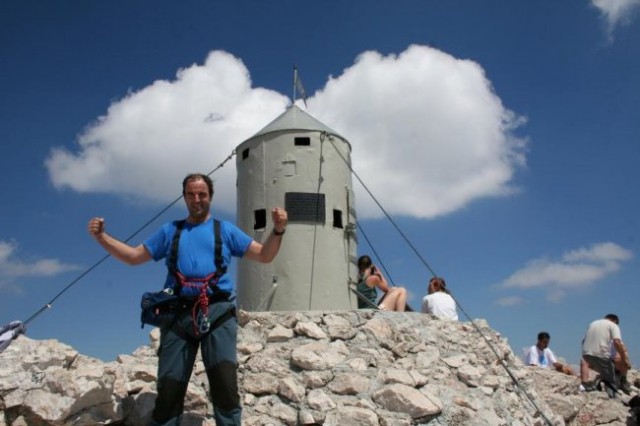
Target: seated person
[439, 302]
[540, 355]
[369, 279]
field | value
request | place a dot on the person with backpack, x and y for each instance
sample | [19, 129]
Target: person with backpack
[197, 251]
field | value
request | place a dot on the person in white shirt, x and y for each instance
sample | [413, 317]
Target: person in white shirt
[540, 355]
[604, 352]
[439, 302]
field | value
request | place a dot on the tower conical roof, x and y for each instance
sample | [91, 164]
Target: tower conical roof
[295, 119]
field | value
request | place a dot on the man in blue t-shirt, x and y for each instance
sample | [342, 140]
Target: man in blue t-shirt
[180, 340]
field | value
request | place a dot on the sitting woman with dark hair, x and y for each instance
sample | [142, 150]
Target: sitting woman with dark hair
[369, 279]
[438, 301]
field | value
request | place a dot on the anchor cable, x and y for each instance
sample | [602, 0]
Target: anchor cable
[49, 305]
[501, 359]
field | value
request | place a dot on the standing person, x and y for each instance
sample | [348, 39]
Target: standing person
[438, 301]
[601, 337]
[205, 315]
[540, 355]
[370, 278]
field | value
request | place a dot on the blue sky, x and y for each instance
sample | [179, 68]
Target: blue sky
[501, 136]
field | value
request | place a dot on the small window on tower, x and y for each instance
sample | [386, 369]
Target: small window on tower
[302, 141]
[259, 219]
[245, 153]
[337, 219]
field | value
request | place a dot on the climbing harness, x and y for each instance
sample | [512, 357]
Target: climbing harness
[188, 292]
[205, 287]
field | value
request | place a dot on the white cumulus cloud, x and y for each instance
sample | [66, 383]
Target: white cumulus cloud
[509, 301]
[576, 268]
[149, 140]
[616, 12]
[428, 132]
[12, 268]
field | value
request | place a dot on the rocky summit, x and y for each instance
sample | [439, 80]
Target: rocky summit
[317, 368]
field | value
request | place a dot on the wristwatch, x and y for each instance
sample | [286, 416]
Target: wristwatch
[279, 233]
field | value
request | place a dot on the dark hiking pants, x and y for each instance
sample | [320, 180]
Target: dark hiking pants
[605, 368]
[177, 354]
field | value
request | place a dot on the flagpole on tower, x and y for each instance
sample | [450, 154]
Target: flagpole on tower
[295, 79]
[297, 86]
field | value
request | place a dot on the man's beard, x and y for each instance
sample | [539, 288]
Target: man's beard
[199, 212]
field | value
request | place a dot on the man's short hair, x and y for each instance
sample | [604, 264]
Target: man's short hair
[613, 317]
[543, 335]
[197, 176]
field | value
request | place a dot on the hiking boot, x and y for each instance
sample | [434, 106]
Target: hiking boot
[624, 385]
[587, 387]
[611, 392]
[609, 389]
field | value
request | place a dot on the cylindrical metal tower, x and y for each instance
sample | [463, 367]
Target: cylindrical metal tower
[300, 164]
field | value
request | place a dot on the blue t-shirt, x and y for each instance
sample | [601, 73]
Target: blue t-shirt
[196, 249]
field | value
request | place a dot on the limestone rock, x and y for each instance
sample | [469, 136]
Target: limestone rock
[406, 399]
[279, 334]
[349, 384]
[311, 368]
[310, 329]
[352, 416]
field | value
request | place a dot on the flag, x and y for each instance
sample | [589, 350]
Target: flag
[297, 85]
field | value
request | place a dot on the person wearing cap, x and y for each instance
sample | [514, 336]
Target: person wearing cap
[438, 301]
